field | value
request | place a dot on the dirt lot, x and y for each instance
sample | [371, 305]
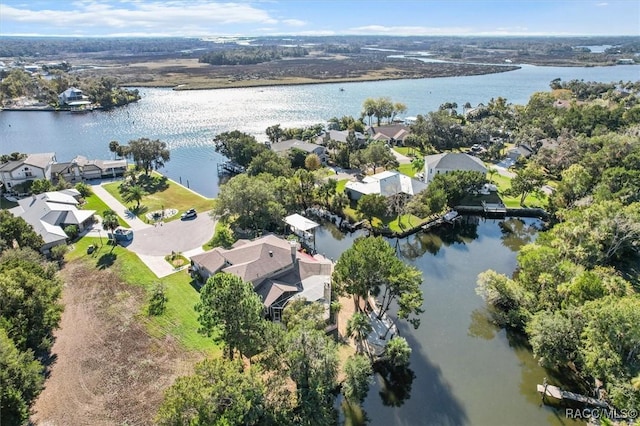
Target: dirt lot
[107, 370]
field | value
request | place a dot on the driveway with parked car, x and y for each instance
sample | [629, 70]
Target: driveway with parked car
[176, 236]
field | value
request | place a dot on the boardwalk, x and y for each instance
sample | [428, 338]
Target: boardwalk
[559, 394]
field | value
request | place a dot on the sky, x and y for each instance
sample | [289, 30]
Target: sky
[203, 18]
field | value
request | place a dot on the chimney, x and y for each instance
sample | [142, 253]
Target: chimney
[294, 249]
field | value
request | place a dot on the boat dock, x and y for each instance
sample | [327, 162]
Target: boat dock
[230, 168]
[559, 394]
[494, 209]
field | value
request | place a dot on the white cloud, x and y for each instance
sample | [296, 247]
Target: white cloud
[604, 4]
[294, 22]
[408, 30]
[133, 17]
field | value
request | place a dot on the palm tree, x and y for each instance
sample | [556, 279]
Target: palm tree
[359, 327]
[134, 193]
[109, 221]
[491, 172]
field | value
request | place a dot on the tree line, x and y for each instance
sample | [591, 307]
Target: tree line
[30, 310]
[575, 294]
[252, 55]
[103, 91]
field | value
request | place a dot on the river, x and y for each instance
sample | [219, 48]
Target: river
[189, 120]
[466, 370]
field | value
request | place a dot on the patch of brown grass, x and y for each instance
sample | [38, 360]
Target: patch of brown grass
[107, 369]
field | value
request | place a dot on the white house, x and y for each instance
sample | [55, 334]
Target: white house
[50, 213]
[387, 183]
[310, 148]
[449, 162]
[34, 166]
[71, 95]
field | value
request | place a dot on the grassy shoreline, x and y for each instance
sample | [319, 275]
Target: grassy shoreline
[195, 82]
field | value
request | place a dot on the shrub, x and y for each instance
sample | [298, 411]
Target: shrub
[158, 300]
[58, 252]
[72, 231]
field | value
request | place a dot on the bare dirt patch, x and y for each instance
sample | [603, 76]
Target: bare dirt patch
[107, 370]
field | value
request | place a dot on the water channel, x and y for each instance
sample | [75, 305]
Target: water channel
[466, 371]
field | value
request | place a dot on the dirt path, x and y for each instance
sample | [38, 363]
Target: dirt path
[107, 370]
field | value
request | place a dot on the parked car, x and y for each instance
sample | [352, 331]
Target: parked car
[191, 213]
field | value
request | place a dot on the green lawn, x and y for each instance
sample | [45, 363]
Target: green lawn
[180, 320]
[171, 196]
[407, 169]
[504, 183]
[94, 202]
[341, 185]
[406, 151]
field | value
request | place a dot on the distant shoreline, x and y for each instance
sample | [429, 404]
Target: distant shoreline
[219, 84]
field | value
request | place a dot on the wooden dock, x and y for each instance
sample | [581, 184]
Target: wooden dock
[559, 394]
[494, 209]
[230, 168]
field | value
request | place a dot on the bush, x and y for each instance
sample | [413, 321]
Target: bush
[84, 189]
[158, 300]
[58, 252]
[72, 231]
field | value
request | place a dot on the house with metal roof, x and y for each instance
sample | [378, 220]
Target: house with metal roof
[49, 213]
[449, 162]
[275, 267]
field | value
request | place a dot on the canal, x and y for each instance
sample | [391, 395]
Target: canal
[466, 371]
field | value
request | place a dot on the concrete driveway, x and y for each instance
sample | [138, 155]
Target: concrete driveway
[178, 236]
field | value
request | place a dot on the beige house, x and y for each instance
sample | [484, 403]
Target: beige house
[80, 169]
[275, 267]
[393, 134]
[34, 166]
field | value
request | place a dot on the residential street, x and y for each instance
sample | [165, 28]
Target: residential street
[153, 242]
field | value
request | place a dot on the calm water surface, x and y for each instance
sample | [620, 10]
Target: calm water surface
[466, 370]
[188, 121]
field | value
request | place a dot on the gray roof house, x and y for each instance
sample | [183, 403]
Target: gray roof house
[340, 136]
[34, 166]
[275, 267]
[449, 162]
[81, 169]
[50, 213]
[310, 148]
[387, 183]
[71, 95]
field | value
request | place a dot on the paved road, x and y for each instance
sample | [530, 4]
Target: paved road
[179, 236]
[152, 243]
[402, 159]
